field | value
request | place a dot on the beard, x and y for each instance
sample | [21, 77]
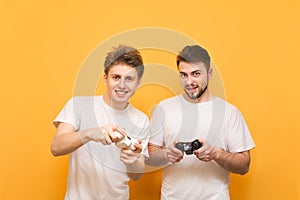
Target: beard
[196, 95]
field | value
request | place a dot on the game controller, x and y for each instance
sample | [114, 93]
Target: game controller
[188, 147]
[125, 141]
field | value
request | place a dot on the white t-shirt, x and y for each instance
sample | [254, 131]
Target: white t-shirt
[95, 170]
[217, 121]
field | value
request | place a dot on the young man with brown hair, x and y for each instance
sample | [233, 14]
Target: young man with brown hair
[88, 126]
[198, 116]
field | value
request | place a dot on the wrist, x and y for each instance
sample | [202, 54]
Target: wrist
[217, 153]
[164, 153]
[135, 164]
[221, 154]
[83, 136]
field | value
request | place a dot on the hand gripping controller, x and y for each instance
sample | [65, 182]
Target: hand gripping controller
[125, 141]
[188, 147]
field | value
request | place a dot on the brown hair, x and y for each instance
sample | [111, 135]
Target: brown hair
[194, 54]
[124, 55]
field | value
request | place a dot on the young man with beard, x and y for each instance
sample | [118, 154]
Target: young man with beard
[218, 125]
[87, 127]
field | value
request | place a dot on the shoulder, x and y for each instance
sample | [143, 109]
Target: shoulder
[82, 102]
[85, 99]
[137, 111]
[227, 104]
[230, 109]
[170, 101]
[138, 114]
[167, 106]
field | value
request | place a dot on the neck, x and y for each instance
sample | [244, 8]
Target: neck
[115, 105]
[206, 96]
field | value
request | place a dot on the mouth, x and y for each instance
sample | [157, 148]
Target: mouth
[191, 88]
[121, 93]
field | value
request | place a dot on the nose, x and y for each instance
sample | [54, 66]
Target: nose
[189, 80]
[122, 83]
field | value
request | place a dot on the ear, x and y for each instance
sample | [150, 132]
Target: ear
[139, 82]
[210, 73]
[105, 79]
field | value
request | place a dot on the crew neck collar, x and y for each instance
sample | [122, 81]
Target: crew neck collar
[198, 103]
[114, 109]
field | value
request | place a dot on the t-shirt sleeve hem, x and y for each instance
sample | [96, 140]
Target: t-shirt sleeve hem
[242, 149]
[155, 143]
[56, 122]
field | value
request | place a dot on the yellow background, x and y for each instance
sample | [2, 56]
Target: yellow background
[255, 46]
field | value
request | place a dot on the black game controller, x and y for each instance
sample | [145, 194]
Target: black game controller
[188, 147]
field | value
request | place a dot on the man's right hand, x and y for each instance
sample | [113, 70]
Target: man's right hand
[174, 155]
[104, 134]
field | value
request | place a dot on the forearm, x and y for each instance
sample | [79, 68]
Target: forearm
[136, 169]
[157, 157]
[68, 142]
[234, 162]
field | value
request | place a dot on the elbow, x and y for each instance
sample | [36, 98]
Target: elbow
[136, 176]
[54, 150]
[54, 153]
[244, 171]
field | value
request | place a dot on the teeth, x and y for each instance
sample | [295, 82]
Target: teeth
[121, 92]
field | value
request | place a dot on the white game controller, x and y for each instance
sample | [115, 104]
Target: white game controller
[125, 141]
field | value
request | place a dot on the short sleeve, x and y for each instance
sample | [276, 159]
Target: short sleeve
[145, 138]
[239, 137]
[157, 126]
[69, 114]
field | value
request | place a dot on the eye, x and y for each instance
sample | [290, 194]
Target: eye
[196, 74]
[183, 75]
[129, 78]
[116, 77]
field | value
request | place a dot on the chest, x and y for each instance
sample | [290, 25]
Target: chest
[187, 123]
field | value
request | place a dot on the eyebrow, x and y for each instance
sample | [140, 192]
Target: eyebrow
[198, 70]
[126, 76]
[115, 74]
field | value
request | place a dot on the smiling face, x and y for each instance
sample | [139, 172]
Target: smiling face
[121, 82]
[194, 80]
